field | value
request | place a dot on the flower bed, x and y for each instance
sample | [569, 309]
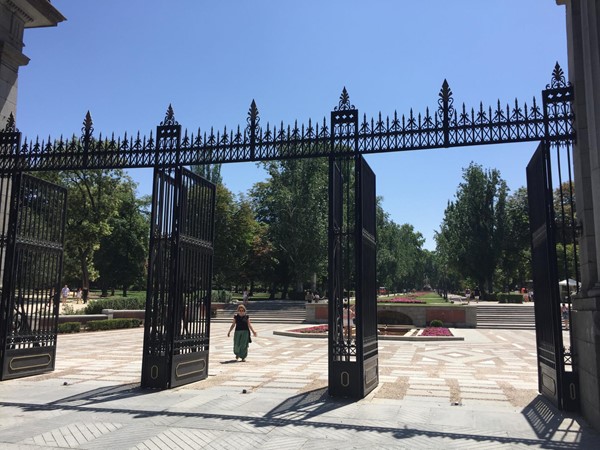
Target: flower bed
[436, 331]
[315, 329]
[401, 300]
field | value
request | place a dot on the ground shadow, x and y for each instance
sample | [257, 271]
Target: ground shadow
[550, 423]
[103, 394]
[307, 405]
[298, 411]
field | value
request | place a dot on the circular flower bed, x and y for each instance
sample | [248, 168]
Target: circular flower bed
[429, 331]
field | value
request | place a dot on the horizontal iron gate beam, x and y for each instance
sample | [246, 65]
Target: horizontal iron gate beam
[446, 127]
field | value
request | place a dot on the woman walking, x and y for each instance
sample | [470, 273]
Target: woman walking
[241, 337]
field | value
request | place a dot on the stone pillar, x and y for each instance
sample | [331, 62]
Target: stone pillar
[15, 16]
[11, 58]
[583, 38]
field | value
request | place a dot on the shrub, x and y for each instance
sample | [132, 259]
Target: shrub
[68, 310]
[69, 327]
[510, 298]
[113, 324]
[491, 297]
[436, 323]
[221, 296]
[96, 306]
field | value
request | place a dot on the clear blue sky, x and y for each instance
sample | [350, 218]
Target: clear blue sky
[126, 61]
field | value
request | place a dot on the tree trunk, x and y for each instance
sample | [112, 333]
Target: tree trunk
[85, 275]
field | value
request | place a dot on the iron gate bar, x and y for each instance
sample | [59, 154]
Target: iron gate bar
[554, 381]
[31, 250]
[446, 127]
[177, 325]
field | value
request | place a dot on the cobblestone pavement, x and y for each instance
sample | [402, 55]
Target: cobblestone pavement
[480, 393]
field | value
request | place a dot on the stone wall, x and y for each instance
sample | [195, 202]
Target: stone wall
[458, 316]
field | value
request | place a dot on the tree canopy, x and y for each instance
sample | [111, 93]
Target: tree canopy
[474, 226]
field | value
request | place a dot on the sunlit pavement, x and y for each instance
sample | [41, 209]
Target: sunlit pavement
[480, 392]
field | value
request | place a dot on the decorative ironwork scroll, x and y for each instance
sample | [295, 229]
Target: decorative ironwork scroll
[447, 126]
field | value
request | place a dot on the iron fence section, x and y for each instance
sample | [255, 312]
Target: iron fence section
[446, 126]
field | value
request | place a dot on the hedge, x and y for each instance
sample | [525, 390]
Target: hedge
[436, 323]
[112, 324]
[510, 298]
[69, 327]
[96, 306]
[221, 296]
[137, 303]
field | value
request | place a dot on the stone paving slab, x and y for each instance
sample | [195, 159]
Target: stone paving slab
[477, 393]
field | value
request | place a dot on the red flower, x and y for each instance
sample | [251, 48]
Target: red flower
[436, 331]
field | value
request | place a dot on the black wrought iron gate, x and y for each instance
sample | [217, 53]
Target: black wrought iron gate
[177, 325]
[554, 382]
[178, 319]
[32, 222]
[353, 354]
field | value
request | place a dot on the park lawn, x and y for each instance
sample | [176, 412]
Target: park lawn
[430, 298]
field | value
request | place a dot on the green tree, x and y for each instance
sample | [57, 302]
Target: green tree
[473, 228]
[121, 258]
[515, 262]
[93, 199]
[292, 202]
[400, 255]
[210, 172]
[234, 227]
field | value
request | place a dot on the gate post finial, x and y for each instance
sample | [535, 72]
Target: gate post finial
[558, 78]
[10, 137]
[169, 117]
[252, 128]
[446, 110]
[344, 103]
[87, 128]
[86, 136]
[168, 137]
[11, 126]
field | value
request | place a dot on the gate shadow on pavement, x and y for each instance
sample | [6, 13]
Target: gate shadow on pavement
[395, 434]
[300, 411]
[307, 405]
[103, 394]
[547, 421]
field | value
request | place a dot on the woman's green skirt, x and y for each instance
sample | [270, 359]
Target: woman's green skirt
[241, 339]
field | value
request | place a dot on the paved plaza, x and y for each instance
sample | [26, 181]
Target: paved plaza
[477, 393]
